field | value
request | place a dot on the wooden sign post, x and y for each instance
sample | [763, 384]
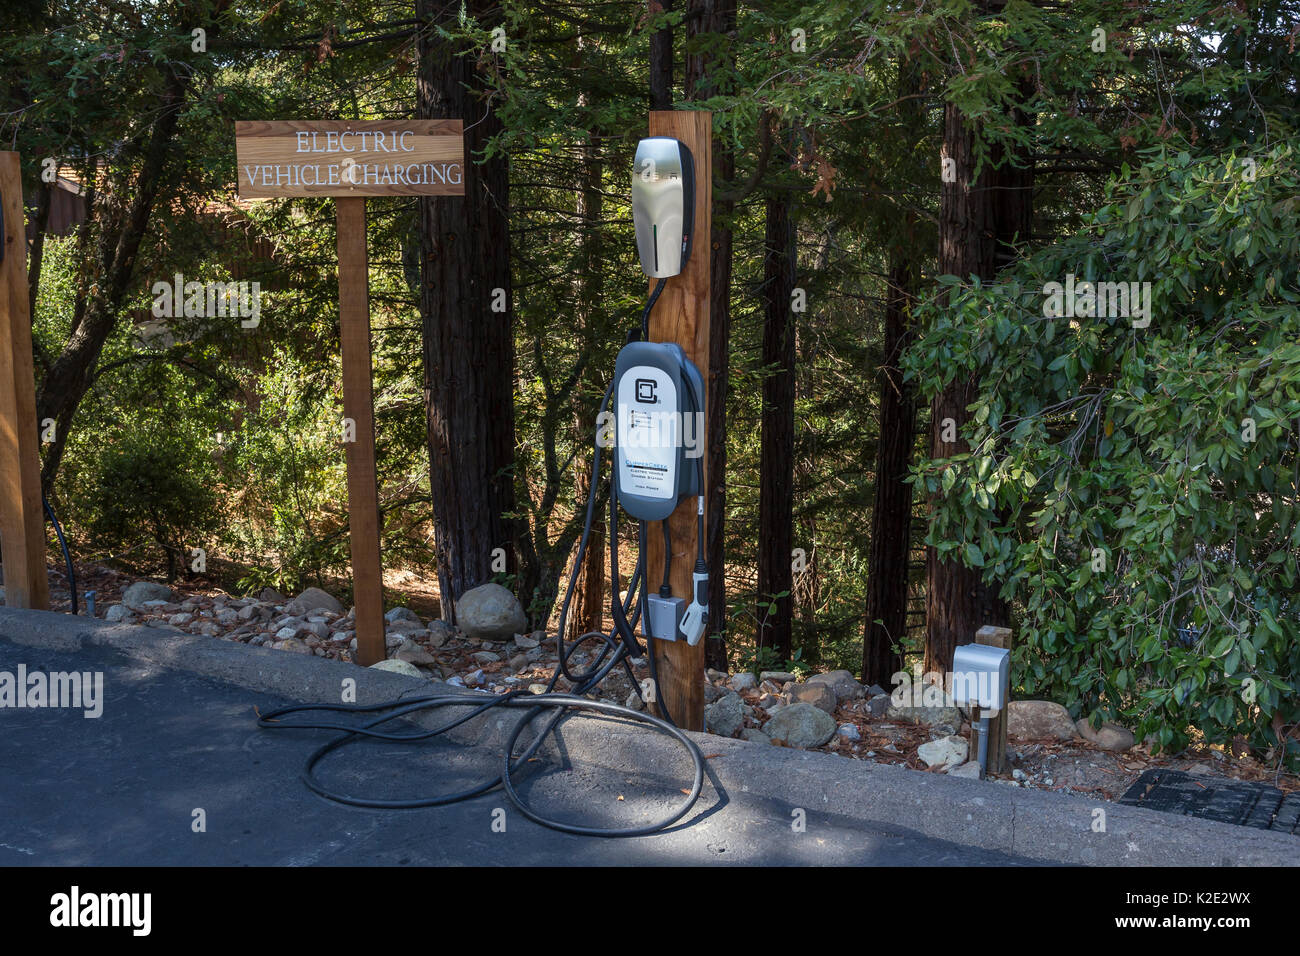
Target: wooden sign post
[351, 160]
[682, 316]
[997, 753]
[22, 523]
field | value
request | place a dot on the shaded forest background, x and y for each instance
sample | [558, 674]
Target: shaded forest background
[903, 444]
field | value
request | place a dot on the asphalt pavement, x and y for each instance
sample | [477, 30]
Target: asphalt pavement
[175, 772]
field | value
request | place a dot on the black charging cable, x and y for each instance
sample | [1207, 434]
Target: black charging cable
[620, 645]
[67, 555]
[649, 305]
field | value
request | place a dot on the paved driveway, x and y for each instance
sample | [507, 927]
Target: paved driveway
[123, 789]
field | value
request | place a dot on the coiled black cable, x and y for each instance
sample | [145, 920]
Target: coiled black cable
[620, 645]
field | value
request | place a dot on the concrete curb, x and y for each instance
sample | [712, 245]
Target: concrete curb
[1048, 827]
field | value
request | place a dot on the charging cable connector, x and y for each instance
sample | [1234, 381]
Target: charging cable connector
[696, 618]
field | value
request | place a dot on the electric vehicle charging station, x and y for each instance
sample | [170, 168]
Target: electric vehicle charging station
[663, 205]
[659, 392]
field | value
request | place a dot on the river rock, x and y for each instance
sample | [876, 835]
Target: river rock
[440, 632]
[843, 683]
[878, 705]
[1039, 720]
[1108, 736]
[118, 612]
[801, 725]
[725, 716]
[137, 595]
[489, 611]
[820, 696]
[398, 667]
[413, 653]
[743, 681]
[946, 751]
[293, 645]
[314, 598]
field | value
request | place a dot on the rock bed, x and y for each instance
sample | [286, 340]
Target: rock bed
[1047, 750]
[829, 712]
[315, 623]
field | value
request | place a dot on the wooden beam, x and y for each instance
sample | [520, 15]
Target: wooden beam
[358, 405]
[993, 637]
[22, 521]
[682, 316]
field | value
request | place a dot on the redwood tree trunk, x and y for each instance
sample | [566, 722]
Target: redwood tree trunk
[891, 513]
[468, 346]
[588, 611]
[661, 60]
[776, 458]
[977, 222]
[716, 17]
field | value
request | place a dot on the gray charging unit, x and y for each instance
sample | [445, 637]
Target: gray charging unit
[659, 440]
[655, 390]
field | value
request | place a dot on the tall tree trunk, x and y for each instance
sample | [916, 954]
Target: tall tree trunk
[468, 346]
[891, 513]
[716, 17]
[588, 612]
[661, 59]
[977, 221]
[776, 457]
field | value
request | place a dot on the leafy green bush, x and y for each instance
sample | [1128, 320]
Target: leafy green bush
[154, 487]
[1135, 488]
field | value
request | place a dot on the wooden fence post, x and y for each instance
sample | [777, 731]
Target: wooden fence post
[22, 521]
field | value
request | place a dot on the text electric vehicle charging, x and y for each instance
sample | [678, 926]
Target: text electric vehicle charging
[657, 399]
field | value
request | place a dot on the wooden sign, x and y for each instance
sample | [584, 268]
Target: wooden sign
[350, 158]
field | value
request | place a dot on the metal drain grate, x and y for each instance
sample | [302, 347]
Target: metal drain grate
[1227, 801]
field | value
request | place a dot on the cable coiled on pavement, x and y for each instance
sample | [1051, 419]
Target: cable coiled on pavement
[620, 644]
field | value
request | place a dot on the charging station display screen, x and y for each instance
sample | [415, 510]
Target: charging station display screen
[647, 432]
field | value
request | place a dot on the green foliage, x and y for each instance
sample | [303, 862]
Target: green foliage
[1136, 488]
[157, 487]
[759, 659]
